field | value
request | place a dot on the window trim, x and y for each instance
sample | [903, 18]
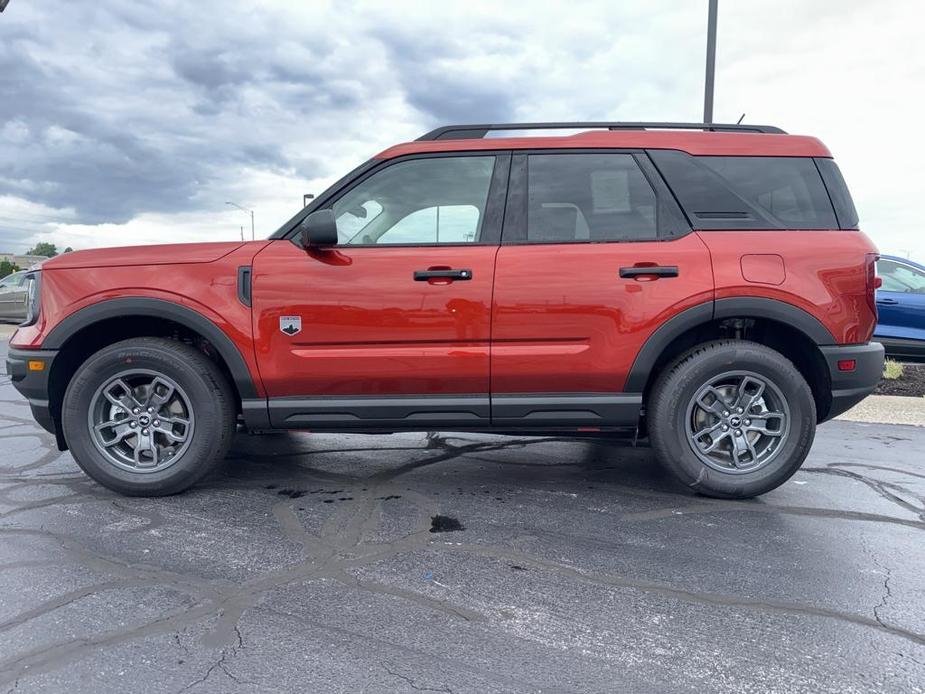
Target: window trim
[494, 203]
[514, 232]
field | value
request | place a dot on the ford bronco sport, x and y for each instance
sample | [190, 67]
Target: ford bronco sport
[704, 287]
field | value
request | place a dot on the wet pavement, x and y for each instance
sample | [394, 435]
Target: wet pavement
[462, 563]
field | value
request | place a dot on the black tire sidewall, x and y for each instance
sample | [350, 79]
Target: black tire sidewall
[189, 369]
[677, 389]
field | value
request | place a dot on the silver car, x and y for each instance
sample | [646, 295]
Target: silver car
[13, 294]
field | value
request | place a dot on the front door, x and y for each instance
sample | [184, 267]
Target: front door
[390, 328]
[595, 257]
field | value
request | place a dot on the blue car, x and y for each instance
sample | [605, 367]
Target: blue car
[901, 307]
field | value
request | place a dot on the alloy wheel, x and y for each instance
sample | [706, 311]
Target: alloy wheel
[738, 422]
[141, 420]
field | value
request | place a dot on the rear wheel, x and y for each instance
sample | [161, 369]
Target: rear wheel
[732, 419]
[148, 416]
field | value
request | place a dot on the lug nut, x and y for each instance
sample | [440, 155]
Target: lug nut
[132, 425]
[738, 432]
[135, 410]
[144, 431]
[157, 422]
[725, 427]
[748, 422]
[151, 409]
[725, 413]
[739, 410]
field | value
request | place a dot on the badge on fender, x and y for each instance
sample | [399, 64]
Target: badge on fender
[291, 325]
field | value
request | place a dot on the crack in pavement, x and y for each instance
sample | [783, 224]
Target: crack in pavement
[341, 546]
[410, 681]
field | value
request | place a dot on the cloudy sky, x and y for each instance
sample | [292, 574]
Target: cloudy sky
[126, 122]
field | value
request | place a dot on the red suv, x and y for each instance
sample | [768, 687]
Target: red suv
[701, 286]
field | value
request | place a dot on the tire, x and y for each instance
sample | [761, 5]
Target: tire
[690, 398]
[106, 406]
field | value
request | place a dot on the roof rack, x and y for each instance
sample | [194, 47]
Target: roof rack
[475, 132]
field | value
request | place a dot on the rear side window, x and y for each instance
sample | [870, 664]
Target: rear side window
[748, 192]
[838, 191]
[588, 197]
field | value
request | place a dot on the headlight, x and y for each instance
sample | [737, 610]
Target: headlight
[33, 297]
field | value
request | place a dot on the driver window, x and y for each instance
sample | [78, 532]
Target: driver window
[900, 278]
[420, 201]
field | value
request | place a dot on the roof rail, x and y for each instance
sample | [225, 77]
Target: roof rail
[475, 132]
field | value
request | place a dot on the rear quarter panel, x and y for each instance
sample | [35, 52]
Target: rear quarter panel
[824, 273]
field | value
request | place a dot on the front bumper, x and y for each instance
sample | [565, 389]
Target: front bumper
[850, 387]
[33, 384]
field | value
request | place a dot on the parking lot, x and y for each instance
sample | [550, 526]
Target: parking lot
[462, 563]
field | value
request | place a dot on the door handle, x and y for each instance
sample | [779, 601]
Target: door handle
[887, 301]
[649, 271]
[427, 275]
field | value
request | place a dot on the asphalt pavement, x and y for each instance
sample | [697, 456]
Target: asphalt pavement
[311, 564]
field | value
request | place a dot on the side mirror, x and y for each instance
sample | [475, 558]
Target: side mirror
[319, 230]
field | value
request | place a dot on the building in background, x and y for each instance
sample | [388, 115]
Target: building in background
[23, 261]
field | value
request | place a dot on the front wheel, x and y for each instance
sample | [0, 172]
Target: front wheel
[732, 419]
[148, 416]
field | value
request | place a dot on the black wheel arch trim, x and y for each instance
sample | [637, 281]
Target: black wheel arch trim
[160, 308]
[774, 309]
[732, 307]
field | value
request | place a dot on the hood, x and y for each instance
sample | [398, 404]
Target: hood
[168, 254]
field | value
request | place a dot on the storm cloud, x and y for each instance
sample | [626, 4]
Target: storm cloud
[123, 121]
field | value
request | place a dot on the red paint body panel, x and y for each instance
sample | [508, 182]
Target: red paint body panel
[168, 254]
[825, 274]
[746, 144]
[566, 322]
[209, 288]
[540, 318]
[368, 328]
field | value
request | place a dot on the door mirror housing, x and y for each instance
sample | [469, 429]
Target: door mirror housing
[319, 230]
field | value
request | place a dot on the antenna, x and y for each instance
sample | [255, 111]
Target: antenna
[741, 118]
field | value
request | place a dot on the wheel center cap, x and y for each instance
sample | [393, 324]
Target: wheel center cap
[144, 420]
[735, 421]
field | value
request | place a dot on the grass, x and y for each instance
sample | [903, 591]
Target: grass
[892, 370]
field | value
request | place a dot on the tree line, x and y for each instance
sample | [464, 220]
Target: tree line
[43, 248]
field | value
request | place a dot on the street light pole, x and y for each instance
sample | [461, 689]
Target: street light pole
[711, 62]
[250, 212]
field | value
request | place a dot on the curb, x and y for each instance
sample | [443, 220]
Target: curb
[887, 409]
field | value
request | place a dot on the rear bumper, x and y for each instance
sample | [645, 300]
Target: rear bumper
[33, 384]
[850, 387]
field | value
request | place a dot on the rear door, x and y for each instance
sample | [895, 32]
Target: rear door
[391, 327]
[595, 256]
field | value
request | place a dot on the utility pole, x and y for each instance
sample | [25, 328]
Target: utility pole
[711, 62]
[250, 212]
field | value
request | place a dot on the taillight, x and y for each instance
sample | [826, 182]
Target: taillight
[873, 282]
